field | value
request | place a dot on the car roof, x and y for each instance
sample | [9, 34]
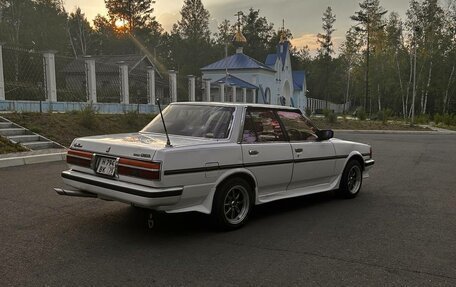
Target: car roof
[225, 104]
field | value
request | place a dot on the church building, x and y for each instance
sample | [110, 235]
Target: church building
[240, 78]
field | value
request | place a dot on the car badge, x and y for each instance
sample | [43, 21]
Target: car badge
[109, 149]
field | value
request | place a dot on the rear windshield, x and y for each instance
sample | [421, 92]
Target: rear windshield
[195, 121]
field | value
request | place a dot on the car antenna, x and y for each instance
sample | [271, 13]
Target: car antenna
[168, 142]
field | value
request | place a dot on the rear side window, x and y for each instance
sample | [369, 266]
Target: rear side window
[262, 125]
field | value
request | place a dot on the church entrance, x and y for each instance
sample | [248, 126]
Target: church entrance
[286, 93]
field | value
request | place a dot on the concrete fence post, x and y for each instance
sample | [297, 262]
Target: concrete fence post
[173, 85]
[222, 92]
[151, 85]
[49, 76]
[91, 80]
[208, 90]
[191, 88]
[2, 79]
[124, 88]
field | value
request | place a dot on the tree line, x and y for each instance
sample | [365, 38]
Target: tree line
[385, 63]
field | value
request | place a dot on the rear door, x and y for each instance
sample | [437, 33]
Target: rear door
[314, 161]
[266, 152]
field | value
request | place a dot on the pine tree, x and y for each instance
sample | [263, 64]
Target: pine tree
[325, 40]
[194, 23]
[137, 13]
[259, 34]
[80, 33]
[370, 22]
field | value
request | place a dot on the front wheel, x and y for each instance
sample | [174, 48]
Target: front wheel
[351, 181]
[232, 204]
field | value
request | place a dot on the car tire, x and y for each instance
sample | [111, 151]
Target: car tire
[232, 204]
[352, 180]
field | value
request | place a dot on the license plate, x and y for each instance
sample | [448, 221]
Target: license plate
[106, 166]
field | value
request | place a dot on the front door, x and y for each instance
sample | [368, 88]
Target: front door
[314, 161]
[266, 152]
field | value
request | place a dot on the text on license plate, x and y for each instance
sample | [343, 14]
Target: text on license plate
[106, 166]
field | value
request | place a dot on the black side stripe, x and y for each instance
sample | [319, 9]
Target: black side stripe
[320, 158]
[253, 164]
[133, 191]
[202, 169]
[263, 163]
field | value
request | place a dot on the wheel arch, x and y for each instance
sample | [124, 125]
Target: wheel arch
[240, 172]
[355, 156]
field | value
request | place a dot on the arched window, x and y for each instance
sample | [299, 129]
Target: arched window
[268, 95]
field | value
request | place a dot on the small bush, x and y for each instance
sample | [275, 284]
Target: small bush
[87, 117]
[381, 116]
[331, 118]
[326, 112]
[361, 114]
[131, 118]
[422, 119]
[308, 112]
[448, 119]
[438, 118]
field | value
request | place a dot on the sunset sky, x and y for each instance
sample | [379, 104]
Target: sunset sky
[302, 17]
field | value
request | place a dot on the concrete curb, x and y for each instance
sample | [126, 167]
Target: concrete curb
[26, 160]
[447, 132]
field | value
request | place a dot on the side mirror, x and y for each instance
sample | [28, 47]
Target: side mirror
[324, 134]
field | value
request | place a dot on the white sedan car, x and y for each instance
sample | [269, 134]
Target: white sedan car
[218, 159]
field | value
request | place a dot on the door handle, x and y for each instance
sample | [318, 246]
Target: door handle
[298, 150]
[253, 152]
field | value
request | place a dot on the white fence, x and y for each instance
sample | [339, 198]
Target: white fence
[32, 81]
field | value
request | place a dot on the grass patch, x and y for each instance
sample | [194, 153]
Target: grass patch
[346, 124]
[64, 127]
[8, 147]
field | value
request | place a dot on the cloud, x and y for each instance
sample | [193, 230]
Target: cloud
[309, 40]
[168, 19]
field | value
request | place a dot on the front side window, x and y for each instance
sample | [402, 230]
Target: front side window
[297, 126]
[194, 120]
[262, 125]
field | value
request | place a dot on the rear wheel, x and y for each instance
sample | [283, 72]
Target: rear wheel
[232, 204]
[351, 181]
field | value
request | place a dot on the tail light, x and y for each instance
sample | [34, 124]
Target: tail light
[77, 157]
[137, 168]
[370, 152]
[125, 166]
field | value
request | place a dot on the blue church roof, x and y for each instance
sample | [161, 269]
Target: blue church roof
[271, 59]
[298, 79]
[237, 61]
[231, 80]
[283, 54]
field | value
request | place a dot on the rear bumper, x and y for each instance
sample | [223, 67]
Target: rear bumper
[139, 195]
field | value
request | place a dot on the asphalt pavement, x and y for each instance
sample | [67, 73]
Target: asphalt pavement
[400, 231]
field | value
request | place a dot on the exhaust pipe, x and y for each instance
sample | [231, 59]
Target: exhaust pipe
[61, 191]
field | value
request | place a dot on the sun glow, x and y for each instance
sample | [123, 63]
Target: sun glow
[120, 23]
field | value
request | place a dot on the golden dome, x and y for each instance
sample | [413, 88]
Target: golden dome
[239, 39]
[283, 37]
